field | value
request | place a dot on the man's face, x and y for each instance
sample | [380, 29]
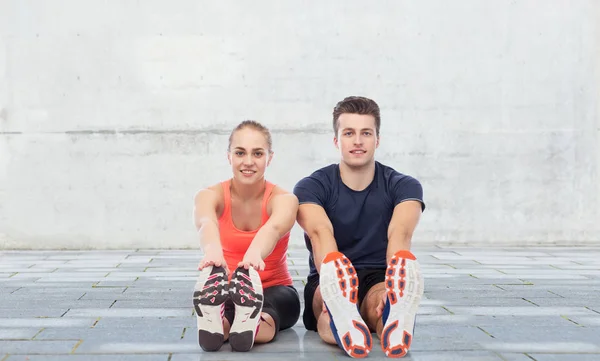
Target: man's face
[356, 139]
[249, 155]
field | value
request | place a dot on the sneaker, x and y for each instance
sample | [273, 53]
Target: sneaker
[339, 289]
[210, 294]
[246, 292]
[404, 286]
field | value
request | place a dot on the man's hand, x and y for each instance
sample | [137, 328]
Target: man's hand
[252, 259]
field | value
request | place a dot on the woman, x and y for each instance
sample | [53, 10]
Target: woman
[244, 293]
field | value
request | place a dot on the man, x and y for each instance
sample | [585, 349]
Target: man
[358, 217]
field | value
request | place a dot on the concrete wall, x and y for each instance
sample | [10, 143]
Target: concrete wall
[113, 114]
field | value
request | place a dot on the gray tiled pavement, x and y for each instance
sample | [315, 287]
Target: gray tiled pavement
[512, 304]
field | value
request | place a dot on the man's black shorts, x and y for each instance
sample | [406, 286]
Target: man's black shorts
[367, 278]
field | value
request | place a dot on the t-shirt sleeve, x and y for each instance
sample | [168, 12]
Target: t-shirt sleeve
[311, 190]
[407, 188]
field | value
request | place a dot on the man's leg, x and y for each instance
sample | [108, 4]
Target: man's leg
[314, 310]
[322, 317]
[375, 296]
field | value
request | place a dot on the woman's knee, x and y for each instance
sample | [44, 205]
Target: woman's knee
[286, 302]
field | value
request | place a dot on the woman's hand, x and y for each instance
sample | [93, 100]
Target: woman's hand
[252, 259]
[213, 258]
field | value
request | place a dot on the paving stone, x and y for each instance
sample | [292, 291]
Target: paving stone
[18, 333]
[7, 266]
[69, 282]
[515, 357]
[136, 347]
[147, 323]
[64, 292]
[45, 322]
[5, 291]
[150, 295]
[20, 312]
[497, 302]
[111, 357]
[114, 283]
[16, 276]
[572, 294]
[62, 267]
[218, 356]
[501, 333]
[128, 302]
[543, 347]
[102, 335]
[589, 322]
[520, 311]
[593, 300]
[127, 312]
[154, 303]
[160, 273]
[65, 276]
[565, 357]
[439, 338]
[36, 303]
[181, 280]
[127, 274]
[36, 347]
[453, 356]
[510, 322]
[12, 270]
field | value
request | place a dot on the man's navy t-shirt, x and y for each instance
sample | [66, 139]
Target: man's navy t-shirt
[360, 219]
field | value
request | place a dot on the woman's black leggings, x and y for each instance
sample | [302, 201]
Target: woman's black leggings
[280, 302]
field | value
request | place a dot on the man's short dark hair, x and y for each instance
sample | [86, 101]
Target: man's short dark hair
[356, 105]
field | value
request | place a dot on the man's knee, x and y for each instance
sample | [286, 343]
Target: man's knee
[373, 300]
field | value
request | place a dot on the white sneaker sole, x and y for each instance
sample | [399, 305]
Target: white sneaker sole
[247, 295]
[404, 285]
[210, 294]
[339, 288]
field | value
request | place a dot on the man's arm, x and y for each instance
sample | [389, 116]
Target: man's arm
[313, 219]
[283, 215]
[207, 225]
[404, 221]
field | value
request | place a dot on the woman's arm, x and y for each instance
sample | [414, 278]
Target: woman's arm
[284, 208]
[206, 203]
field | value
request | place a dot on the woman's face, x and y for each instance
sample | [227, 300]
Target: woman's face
[249, 155]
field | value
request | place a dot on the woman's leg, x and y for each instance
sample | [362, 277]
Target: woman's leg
[266, 329]
[281, 310]
[228, 315]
